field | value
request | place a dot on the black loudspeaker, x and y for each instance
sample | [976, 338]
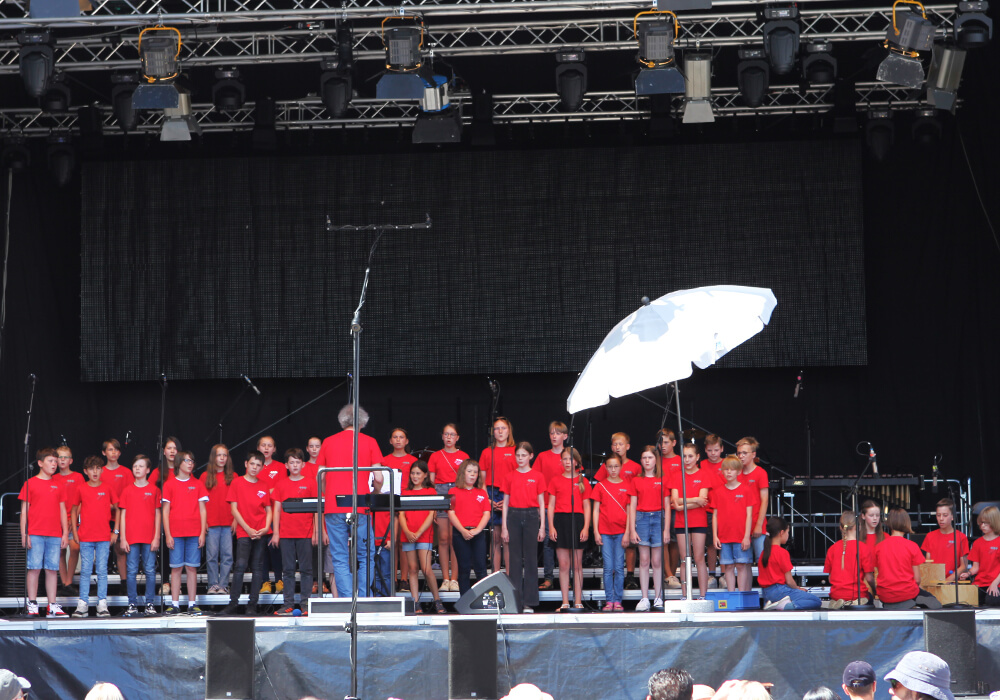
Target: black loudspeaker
[472, 659]
[951, 634]
[229, 655]
[14, 560]
[495, 592]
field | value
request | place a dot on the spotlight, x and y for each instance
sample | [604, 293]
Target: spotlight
[56, 98]
[264, 136]
[926, 130]
[905, 40]
[880, 133]
[15, 155]
[753, 75]
[123, 87]
[36, 61]
[335, 83]
[819, 67]
[159, 53]
[698, 95]
[403, 61]
[659, 74]
[439, 120]
[944, 76]
[61, 159]
[781, 37]
[973, 28]
[178, 123]
[228, 93]
[571, 79]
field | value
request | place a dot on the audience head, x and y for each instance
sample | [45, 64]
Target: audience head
[820, 693]
[920, 675]
[104, 691]
[527, 691]
[859, 679]
[702, 692]
[11, 685]
[670, 684]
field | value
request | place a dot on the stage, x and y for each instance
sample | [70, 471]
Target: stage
[590, 655]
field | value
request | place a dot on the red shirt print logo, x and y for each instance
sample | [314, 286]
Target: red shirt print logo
[261, 494]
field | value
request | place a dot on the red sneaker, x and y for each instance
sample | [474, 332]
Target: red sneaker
[286, 611]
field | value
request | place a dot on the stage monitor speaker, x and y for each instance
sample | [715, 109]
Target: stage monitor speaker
[12, 572]
[487, 596]
[229, 656]
[472, 656]
[951, 634]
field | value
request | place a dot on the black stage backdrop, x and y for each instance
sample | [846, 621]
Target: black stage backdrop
[206, 269]
[930, 383]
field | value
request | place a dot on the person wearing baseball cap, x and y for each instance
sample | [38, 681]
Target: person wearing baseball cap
[12, 686]
[859, 680]
[919, 674]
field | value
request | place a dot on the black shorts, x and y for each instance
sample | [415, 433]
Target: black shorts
[569, 523]
[693, 530]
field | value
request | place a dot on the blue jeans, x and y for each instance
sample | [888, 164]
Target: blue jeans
[649, 527]
[471, 554]
[614, 567]
[757, 543]
[381, 578]
[548, 553]
[219, 555]
[136, 553]
[89, 551]
[339, 532]
[800, 599]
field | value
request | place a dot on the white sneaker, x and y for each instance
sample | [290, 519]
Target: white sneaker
[643, 605]
[527, 610]
[673, 582]
[102, 609]
[658, 603]
[31, 609]
[82, 609]
[778, 604]
[713, 582]
[55, 610]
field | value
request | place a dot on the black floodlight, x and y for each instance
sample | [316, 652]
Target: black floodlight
[483, 133]
[36, 61]
[659, 74]
[264, 136]
[845, 107]
[926, 129]
[444, 126]
[973, 28]
[944, 76]
[228, 92]
[90, 123]
[880, 133]
[15, 155]
[571, 79]
[909, 35]
[123, 87]
[819, 67]
[335, 87]
[159, 51]
[56, 99]
[753, 75]
[61, 159]
[781, 37]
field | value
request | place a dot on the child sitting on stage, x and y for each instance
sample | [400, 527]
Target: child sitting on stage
[417, 527]
[898, 562]
[985, 558]
[872, 515]
[139, 508]
[847, 586]
[522, 529]
[92, 510]
[946, 545]
[774, 572]
[733, 522]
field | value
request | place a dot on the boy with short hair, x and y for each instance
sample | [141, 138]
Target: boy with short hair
[713, 463]
[118, 477]
[139, 505]
[295, 533]
[185, 525]
[621, 443]
[271, 473]
[251, 504]
[90, 524]
[550, 465]
[71, 480]
[44, 530]
[756, 477]
[940, 544]
[670, 461]
[733, 503]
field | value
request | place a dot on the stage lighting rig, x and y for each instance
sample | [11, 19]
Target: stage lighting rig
[123, 87]
[15, 155]
[905, 39]
[159, 51]
[228, 93]
[944, 76]
[973, 28]
[819, 67]
[57, 97]
[571, 79]
[880, 133]
[406, 75]
[926, 129]
[61, 158]
[753, 75]
[36, 61]
[659, 74]
[178, 122]
[781, 37]
[335, 84]
[698, 94]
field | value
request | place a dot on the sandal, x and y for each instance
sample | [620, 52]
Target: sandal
[418, 609]
[563, 608]
[439, 608]
[546, 585]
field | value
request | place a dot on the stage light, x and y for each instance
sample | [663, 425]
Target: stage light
[228, 92]
[36, 61]
[880, 133]
[973, 28]
[753, 75]
[944, 76]
[905, 39]
[659, 74]
[15, 155]
[439, 120]
[926, 129]
[571, 79]
[698, 95]
[336, 87]
[57, 97]
[403, 62]
[819, 67]
[159, 53]
[61, 158]
[781, 37]
[123, 87]
[264, 136]
[178, 123]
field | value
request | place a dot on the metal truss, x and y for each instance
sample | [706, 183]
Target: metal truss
[209, 46]
[507, 109]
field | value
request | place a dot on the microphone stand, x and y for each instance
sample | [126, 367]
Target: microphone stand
[857, 535]
[954, 549]
[159, 467]
[27, 430]
[495, 391]
[226, 413]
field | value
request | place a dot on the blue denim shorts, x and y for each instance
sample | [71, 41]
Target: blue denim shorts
[185, 552]
[44, 553]
[414, 546]
[732, 553]
[649, 527]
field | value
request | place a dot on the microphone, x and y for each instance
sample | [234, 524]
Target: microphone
[934, 472]
[163, 378]
[494, 387]
[798, 385]
[62, 440]
[128, 437]
[250, 384]
[33, 377]
[871, 459]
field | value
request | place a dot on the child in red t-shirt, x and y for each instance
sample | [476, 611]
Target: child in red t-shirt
[670, 465]
[271, 473]
[648, 505]
[693, 510]
[44, 530]
[713, 465]
[985, 558]
[610, 525]
[871, 514]
[218, 475]
[946, 545]
[416, 526]
[140, 523]
[469, 516]
[569, 514]
[501, 449]
[71, 480]
[295, 533]
[185, 523]
[549, 463]
[117, 476]
[733, 503]
[847, 585]
[400, 462]
[898, 561]
[250, 501]
[92, 510]
[774, 573]
[756, 477]
[443, 465]
[522, 529]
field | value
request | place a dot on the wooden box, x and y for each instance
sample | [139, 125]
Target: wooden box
[945, 593]
[931, 573]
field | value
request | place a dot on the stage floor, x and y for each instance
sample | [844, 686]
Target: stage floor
[570, 655]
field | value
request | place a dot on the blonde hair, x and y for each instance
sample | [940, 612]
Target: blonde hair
[990, 516]
[731, 462]
[463, 467]
[750, 442]
[105, 691]
[848, 522]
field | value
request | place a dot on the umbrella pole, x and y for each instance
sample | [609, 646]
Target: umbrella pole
[687, 534]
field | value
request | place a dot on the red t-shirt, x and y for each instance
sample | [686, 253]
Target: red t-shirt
[272, 473]
[95, 511]
[251, 500]
[309, 470]
[294, 525]
[731, 510]
[895, 558]
[469, 505]
[694, 483]
[118, 478]
[650, 492]
[444, 465]
[184, 498]
[562, 487]
[987, 553]
[139, 504]
[220, 514]
[338, 451]
[872, 540]
[941, 547]
[713, 467]
[71, 482]
[614, 500]
[630, 470]
[756, 479]
[550, 464]
[671, 464]
[154, 476]
[505, 463]
[778, 564]
[416, 518]
[844, 577]
[400, 464]
[43, 497]
[524, 488]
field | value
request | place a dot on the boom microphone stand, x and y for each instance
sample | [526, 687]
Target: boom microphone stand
[159, 466]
